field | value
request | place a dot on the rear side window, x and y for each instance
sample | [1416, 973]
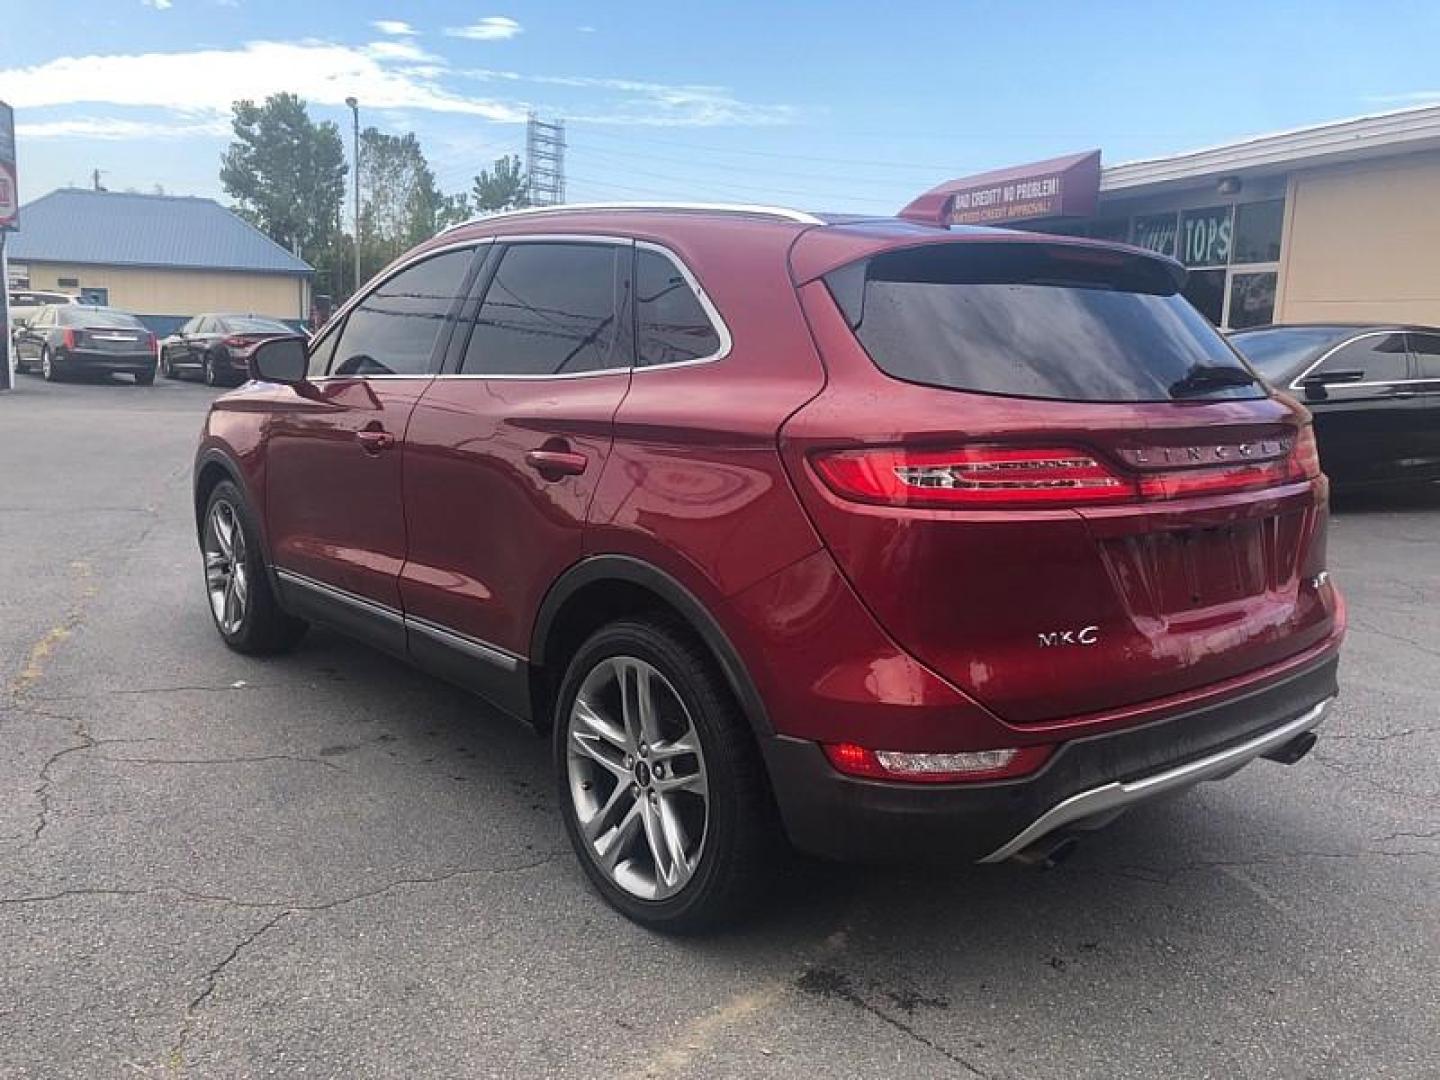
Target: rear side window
[1274, 353]
[1038, 321]
[1374, 358]
[549, 310]
[1427, 354]
[671, 326]
[393, 330]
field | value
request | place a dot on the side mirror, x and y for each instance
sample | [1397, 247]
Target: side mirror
[280, 360]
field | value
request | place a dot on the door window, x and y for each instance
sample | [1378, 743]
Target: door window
[393, 330]
[1427, 354]
[551, 309]
[671, 326]
[1378, 358]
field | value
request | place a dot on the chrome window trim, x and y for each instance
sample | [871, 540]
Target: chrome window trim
[1117, 795]
[706, 304]
[1299, 379]
[470, 646]
[783, 213]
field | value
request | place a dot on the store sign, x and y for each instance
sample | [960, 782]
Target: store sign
[1060, 187]
[9, 185]
[1205, 236]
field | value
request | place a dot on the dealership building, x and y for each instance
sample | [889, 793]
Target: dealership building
[1334, 223]
[162, 257]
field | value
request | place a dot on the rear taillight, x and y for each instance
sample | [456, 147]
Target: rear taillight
[239, 341]
[151, 340]
[1003, 476]
[950, 768]
[975, 476]
[68, 338]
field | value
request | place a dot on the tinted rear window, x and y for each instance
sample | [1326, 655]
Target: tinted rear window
[1034, 320]
[73, 315]
[251, 325]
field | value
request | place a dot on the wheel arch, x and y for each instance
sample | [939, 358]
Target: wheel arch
[601, 588]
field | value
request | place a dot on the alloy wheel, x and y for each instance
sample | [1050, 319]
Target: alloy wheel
[637, 780]
[226, 574]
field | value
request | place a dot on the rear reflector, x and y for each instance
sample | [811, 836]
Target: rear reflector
[1007, 476]
[953, 768]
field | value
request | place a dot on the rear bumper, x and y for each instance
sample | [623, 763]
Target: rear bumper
[1086, 782]
[86, 360]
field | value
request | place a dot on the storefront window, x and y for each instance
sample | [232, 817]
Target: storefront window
[1252, 299]
[1205, 236]
[1257, 231]
[1156, 232]
[1206, 290]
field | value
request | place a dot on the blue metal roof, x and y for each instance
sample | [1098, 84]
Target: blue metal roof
[178, 232]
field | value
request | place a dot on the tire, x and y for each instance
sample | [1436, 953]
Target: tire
[212, 376]
[145, 378]
[49, 369]
[165, 369]
[256, 624]
[717, 878]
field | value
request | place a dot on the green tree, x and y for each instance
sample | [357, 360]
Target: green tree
[454, 209]
[504, 186]
[286, 173]
[399, 202]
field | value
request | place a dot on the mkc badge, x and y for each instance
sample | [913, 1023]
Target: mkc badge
[1086, 635]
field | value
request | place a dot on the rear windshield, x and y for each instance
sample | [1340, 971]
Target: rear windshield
[1039, 321]
[250, 324]
[1275, 353]
[72, 315]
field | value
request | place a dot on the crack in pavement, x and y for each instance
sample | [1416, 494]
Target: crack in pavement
[42, 788]
[227, 761]
[827, 983]
[289, 905]
[176, 1058]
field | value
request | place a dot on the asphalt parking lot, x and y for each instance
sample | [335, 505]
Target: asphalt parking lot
[328, 865]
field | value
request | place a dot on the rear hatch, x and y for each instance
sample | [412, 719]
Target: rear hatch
[1051, 480]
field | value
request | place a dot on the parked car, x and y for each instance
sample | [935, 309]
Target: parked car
[1374, 391]
[878, 539]
[217, 346]
[24, 303]
[67, 339]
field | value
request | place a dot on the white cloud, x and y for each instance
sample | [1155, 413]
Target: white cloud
[214, 79]
[650, 104]
[158, 5]
[585, 29]
[403, 50]
[394, 27]
[1416, 97]
[493, 28]
[115, 129]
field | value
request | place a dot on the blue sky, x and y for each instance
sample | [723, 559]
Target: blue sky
[841, 106]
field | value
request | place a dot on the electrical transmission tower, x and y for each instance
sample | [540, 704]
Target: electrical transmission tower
[545, 161]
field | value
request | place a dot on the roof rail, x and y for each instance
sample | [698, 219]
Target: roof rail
[779, 212]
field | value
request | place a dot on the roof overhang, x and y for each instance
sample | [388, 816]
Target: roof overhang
[1358, 139]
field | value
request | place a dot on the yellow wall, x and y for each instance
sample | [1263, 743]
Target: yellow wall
[1362, 244]
[182, 292]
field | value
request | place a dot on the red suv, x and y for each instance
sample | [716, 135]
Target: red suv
[874, 537]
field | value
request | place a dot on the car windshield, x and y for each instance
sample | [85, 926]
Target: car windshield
[89, 316]
[1275, 352]
[1041, 321]
[251, 324]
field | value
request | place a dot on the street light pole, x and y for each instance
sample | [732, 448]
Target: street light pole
[355, 119]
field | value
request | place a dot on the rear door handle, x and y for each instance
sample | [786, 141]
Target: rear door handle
[372, 441]
[553, 464]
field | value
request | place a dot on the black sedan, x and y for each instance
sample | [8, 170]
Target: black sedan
[217, 346]
[73, 339]
[1374, 391]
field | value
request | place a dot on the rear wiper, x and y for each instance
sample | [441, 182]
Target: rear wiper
[1206, 377]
